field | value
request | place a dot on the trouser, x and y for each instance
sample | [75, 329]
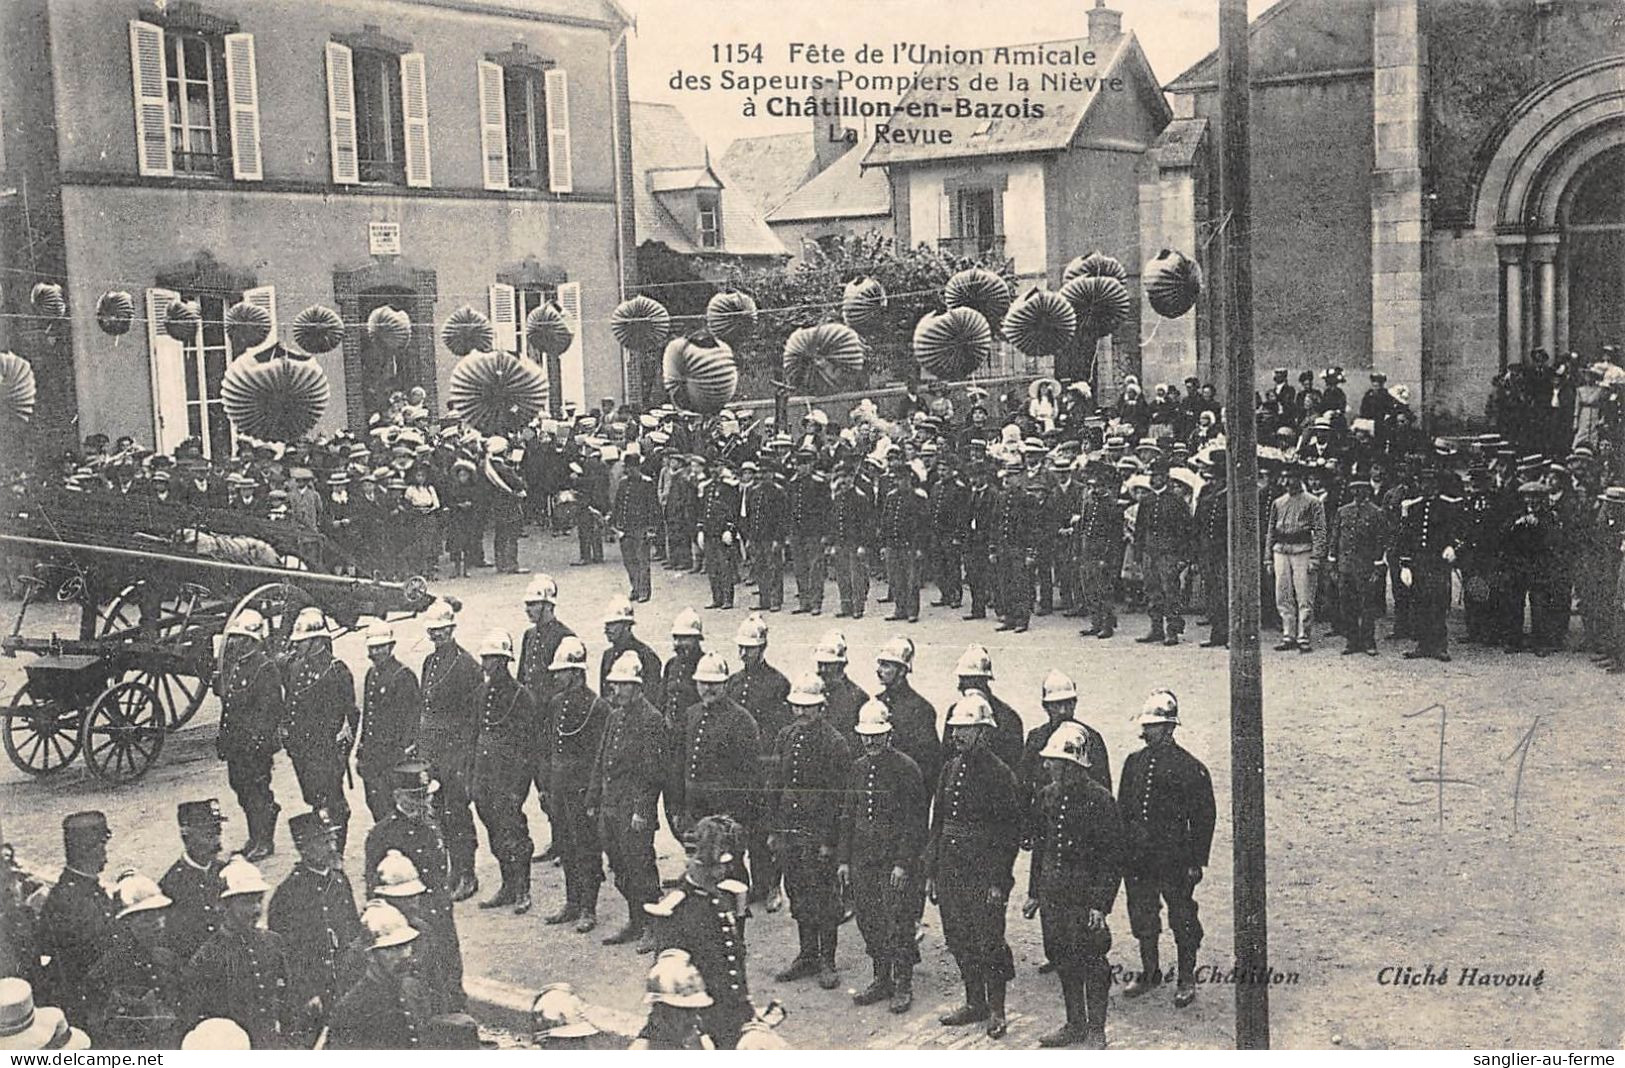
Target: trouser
[809, 882]
[766, 873]
[1216, 590]
[501, 805]
[631, 855]
[1148, 890]
[852, 578]
[379, 786]
[1538, 594]
[885, 914]
[1044, 568]
[1066, 575]
[1430, 604]
[250, 777]
[979, 577]
[635, 558]
[903, 579]
[557, 830]
[719, 568]
[679, 544]
[974, 932]
[454, 809]
[321, 785]
[767, 568]
[810, 573]
[1403, 596]
[1015, 586]
[948, 568]
[1559, 594]
[1079, 955]
[589, 533]
[583, 860]
[1162, 593]
[1294, 594]
[1359, 603]
[1099, 581]
[505, 544]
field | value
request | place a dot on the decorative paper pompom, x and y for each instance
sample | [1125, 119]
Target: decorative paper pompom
[278, 399]
[641, 324]
[819, 357]
[318, 329]
[547, 333]
[731, 316]
[181, 319]
[981, 289]
[389, 329]
[1101, 302]
[953, 344]
[1095, 263]
[17, 390]
[1173, 283]
[49, 300]
[466, 331]
[494, 391]
[701, 370]
[862, 302]
[1041, 324]
[247, 325]
[115, 311]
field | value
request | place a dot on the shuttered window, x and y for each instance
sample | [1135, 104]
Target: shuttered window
[506, 319]
[572, 366]
[525, 127]
[196, 103]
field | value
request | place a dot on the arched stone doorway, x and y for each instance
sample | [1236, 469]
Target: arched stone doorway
[369, 374]
[1592, 217]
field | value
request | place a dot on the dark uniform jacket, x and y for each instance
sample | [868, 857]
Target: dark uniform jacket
[808, 504]
[420, 842]
[1426, 526]
[1032, 778]
[315, 913]
[914, 731]
[141, 996]
[811, 763]
[646, 656]
[950, 509]
[73, 931]
[841, 704]
[536, 651]
[719, 510]
[451, 717]
[885, 813]
[1007, 741]
[637, 505]
[1102, 528]
[391, 717]
[195, 914]
[251, 707]
[631, 766]
[1212, 524]
[705, 923]
[578, 718]
[677, 689]
[381, 1012]
[720, 763]
[508, 746]
[976, 810]
[904, 516]
[321, 702]
[855, 518]
[1163, 528]
[1360, 539]
[1166, 800]
[1078, 851]
[243, 976]
[983, 507]
[766, 512]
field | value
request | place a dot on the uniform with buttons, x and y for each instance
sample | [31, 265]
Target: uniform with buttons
[627, 776]
[252, 708]
[884, 825]
[382, 1011]
[579, 718]
[141, 996]
[243, 976]
[1032, 779]
[1429, 525]
[975, 835]
[762, 689]
[315, 913]
[1166, 800]
[809, 504]
[194, 915]
[812, 760]
[392, 711]
[74, 928]
[720, 503]
[451, 683]
[506, 757]
[321, 704]
[852, 533]
[705, 924]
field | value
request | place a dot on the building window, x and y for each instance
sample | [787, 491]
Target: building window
[527, 127]
[203, 363]
[379, 126]
[196, 86]
[710, 220]
[978, 220]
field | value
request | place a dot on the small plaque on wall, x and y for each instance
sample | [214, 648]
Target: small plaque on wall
[384, 238]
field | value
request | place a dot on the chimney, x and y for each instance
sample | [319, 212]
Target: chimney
[1104, 23]
[829, 131]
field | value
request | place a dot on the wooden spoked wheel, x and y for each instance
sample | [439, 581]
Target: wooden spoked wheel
[41, 733]
[172, 614]
[182, 695]
[279, 603]
[123, 732]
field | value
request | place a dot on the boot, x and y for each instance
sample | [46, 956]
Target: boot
[902, 992]
[646, 941]
[521, 895]
[996, 1025]
[1185, 992]
[589, 910]
[1097, 985]
[467, 886]
[880, 989]
[1150, 970]
[1155, 636]
[828, 977]
[1072, 1031]
[570, 913]
[975, 1007]
[806, 962]
[506, 894]
[630, 933]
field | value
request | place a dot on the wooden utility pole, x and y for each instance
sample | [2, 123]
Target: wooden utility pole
[1235, 294]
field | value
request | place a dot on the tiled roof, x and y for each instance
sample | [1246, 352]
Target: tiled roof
[770, 168]
[843, 191]
[663, 141]
[1179, 141]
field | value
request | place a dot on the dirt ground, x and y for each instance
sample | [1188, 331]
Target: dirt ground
[1516, 874]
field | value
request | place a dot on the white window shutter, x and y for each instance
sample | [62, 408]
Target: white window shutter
[147, 72]
[557, 91]
[572, 370]
[341, 114]
[493, 125]
[168, 373]
[262, 297]
[243, 93]
[505, 319]
[415, 106]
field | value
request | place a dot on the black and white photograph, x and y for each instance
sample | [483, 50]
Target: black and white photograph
[907, 525]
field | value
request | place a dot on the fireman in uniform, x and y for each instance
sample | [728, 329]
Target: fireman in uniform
[1014, 547]
[619, 619]
[913, 722]
[1066, 508]
[578, 717]
[719, 533]
[808, 493]
[761, 689]
[506, 757]
[440, 953]
[982, 515]
[411, 828]
[1059, 696]
[322, 718]
[242, 972]
[676, 997]
[904, 531]
[677, 689]
[1212, 524]
[719, 757]
[842, 696]
[1166, 801]
[627, 776]
[765, 511]
[970, 861]
[885, 819]
[314, 911]
[975, 674]
[193, 882]
[252, 712]
[635, 519]
[1163, 541]
[1077, 866]
[536, 651]
[139, 976]
[1428, 533]
[451, 682]
[391, 714]
[949, 509]
[78, 915]
[388, 1007]
[850, 536]
[1100, 525]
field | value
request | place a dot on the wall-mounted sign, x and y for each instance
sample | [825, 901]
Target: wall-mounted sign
[384, 238]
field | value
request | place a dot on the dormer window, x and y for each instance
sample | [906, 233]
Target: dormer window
[710, 222]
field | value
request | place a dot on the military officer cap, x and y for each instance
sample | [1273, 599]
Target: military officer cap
[559, 1012]
[309, 825]
[85, 826]
[1378, 377]
[199, 813]
[413, 775]
[807, 692]
[873, 718]
[1068, 742]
